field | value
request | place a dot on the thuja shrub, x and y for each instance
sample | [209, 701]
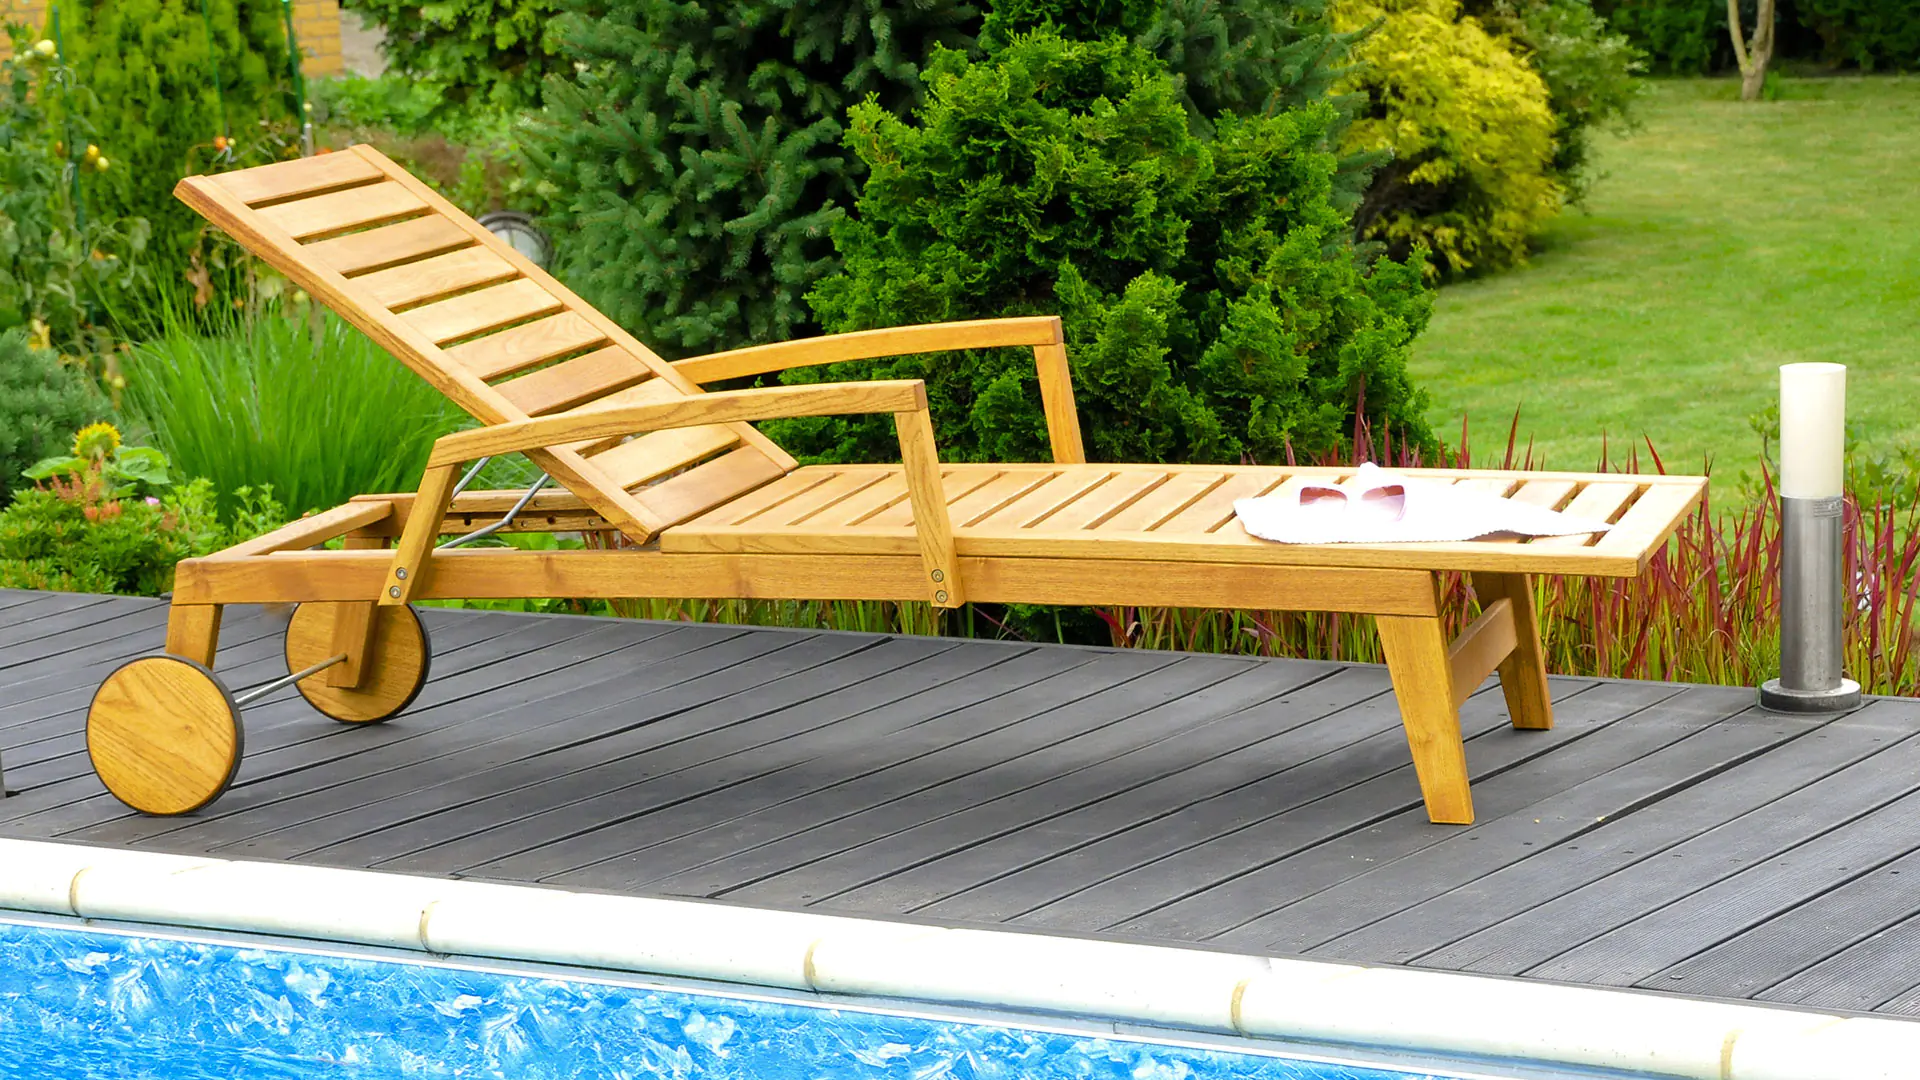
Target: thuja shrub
[1470, 128]
[1214, 309]
[178, 89]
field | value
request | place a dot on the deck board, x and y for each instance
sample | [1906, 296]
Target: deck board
[1663, 837]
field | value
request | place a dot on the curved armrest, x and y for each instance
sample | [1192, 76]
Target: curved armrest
[611, 421]
[1042, 333]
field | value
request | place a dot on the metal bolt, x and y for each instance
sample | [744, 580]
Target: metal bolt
[940, 597]
[400, 573]
[394, 592]
[939, 576]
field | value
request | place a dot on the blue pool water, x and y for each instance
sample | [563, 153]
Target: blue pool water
[87, 1003]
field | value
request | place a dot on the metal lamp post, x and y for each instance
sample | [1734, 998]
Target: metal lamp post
[1813, 411]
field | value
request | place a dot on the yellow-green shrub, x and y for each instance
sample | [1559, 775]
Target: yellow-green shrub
[1469, 128]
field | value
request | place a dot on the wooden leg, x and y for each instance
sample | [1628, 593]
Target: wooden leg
[353, 629]
[193, 632]
[1416, 651]
[409, 567]
[1523, 674]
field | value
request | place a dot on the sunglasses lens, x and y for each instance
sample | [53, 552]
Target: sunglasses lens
[1387, 503]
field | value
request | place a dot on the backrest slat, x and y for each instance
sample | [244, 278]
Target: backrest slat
[435, 277]
[574, 382]
[471, 314]
[336, 212]
[527, 345]
[463, 309]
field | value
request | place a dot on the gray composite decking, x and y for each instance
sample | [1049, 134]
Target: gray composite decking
[1662, 836]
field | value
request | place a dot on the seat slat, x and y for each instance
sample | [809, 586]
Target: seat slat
[1601, 501]
[997, 494]
[658, 453]
[1216, 507]
[957, 487]
[323, 215]
[572, 383]
[527, 346]
[437, 276]
[306, 176]
[1181, 491]
[1547, 493]
[704, 487]
[778, 495]
[478, 312]
[1060, 490]
[1103, 502]
[1649, 520]
[854, 512]
[820, 498]
[388, 245]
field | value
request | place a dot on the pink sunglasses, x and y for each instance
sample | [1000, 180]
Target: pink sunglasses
[1385, 503]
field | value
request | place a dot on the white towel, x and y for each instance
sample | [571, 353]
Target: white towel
[1431, 513]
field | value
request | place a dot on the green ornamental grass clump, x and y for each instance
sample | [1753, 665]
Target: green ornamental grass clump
[1215, 309]
[271, 396]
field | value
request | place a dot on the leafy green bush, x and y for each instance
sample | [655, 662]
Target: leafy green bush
[42, 403]
[85, 530]
[1213, 307]
[1470, 129]
[264, 397]
[694, 152]
[1868, 33]
[59, 268]
[468, 153]
[1588, 68]
[468, 53]
[1682, 37]
[172, 100]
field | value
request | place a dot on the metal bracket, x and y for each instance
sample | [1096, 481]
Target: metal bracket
[489, 530]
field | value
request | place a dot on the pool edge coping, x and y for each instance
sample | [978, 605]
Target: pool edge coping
[1164, 986]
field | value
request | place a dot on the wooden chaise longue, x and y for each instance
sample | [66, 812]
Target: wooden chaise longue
[710, 508]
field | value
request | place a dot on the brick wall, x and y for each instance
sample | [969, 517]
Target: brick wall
[317, 22]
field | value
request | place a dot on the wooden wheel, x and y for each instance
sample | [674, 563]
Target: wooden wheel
[392, 671]
[164, 735]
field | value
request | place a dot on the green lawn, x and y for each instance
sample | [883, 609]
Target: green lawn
[1721, 241]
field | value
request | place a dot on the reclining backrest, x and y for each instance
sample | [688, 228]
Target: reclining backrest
[495, 333]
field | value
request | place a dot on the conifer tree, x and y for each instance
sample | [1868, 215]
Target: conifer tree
[694, 154]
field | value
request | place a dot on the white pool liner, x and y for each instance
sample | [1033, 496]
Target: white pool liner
[1389, 1007]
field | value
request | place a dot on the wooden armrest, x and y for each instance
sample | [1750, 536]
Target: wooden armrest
[872, 345]
[611, 421]
[1041, 333]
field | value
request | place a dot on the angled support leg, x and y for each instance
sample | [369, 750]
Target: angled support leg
[410, 557]
[193, 632]
[1422, 670]
[1523, 674]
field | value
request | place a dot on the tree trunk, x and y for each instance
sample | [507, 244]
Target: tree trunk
[1753, 56]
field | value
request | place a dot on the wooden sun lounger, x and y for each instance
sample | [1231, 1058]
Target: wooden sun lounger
[709, 507]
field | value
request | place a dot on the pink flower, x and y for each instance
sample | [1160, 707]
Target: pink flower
[152, 501]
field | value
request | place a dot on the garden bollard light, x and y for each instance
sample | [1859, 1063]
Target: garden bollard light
[1813, 412]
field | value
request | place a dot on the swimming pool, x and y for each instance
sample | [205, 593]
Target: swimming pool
[78, 1001]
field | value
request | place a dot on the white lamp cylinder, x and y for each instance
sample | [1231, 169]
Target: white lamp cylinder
[1813, 425]
[1813, 429]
